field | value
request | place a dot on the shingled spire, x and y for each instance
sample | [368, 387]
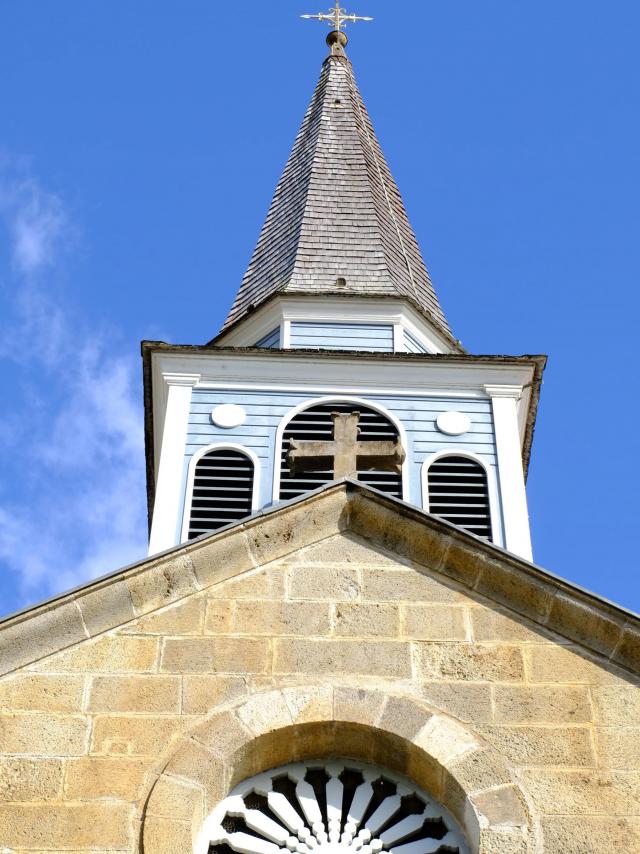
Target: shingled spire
[337, 221]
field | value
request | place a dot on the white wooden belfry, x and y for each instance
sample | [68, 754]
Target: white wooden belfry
[359, 820]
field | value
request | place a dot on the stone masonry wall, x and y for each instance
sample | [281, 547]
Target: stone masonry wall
[83, 732]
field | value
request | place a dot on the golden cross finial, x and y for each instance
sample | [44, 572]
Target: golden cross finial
[336, 18]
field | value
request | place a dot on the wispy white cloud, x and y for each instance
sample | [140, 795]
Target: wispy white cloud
[71, 498]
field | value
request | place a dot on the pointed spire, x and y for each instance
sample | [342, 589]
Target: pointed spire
[337, 222]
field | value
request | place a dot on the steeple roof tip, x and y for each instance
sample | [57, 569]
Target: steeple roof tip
[337, 220]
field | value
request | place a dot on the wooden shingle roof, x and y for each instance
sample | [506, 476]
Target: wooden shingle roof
[337, 213]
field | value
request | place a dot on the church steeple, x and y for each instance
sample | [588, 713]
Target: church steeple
[337, 223]
[337, 360]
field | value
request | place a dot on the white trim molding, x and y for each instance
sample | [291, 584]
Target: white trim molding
[193, 462]
[358, 401]
[175, 425]
[515, 513]
[497, 528]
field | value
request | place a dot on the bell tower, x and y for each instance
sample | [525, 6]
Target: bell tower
[336, 359]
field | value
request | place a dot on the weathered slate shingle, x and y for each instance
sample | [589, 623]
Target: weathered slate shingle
[337, 212]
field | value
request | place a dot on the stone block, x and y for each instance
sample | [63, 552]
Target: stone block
[167, 836]
[542, 745]
[505, 840]
[185, 618]
[107, 654]
[89, 779]
[268, 618]
[170, 579]
[406, 585]
[221, 557]
[445, 740]
[44, 735]
[260, 584]
[30, 780]
[345, 548]
[387, 529]
[215, 655]
[120, 735]
[219, 616]
[135, 694]
[618, 747]
[275, 535]
[225, 733]
[265, 712]
[501, 807]
[616, 705]
[581, 792]
[41, 693]
[363, 619]
[317, 657]
[27, 639]
[48, 827]
[480, 770]
[332, 584]
[434, 622]
[556, 664]
[590, 834]
[490, 625]
[542, 704]
[468, 702]
[358, 705]
[106, 607]
[585, 624]
[177, 800]
[628, 652]
[468, 662]
[308, 704]
[508, 586]
[404, 717]
[197, 765]
[202, 693]
[464, 563]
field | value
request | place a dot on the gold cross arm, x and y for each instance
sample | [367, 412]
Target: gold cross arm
[345, 452]
[337, 17]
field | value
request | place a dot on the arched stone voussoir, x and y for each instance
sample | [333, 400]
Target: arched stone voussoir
[377, 724]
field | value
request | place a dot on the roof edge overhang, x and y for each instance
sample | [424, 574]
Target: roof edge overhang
[550, 603]
[537, 363]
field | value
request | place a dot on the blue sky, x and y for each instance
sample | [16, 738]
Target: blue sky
[140, 144]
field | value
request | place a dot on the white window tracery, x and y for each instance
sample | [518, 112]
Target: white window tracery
[330, 807]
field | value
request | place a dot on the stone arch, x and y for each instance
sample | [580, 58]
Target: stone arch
[376, 725]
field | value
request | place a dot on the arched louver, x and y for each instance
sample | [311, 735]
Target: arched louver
[222, 491]
[459, 493]
[316, 425]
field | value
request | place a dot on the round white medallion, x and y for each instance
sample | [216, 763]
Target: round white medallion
[453, 423]
[228, 415]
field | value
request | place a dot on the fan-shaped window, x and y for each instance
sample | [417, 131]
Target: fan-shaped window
[316, 424]
[459, 493]
[222, 490]
[330, 806]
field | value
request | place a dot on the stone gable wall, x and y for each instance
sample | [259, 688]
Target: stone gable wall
[85, 733]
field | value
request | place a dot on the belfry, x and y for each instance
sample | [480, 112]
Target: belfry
[338, 642]
[337, 315]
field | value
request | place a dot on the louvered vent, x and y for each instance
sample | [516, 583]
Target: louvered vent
[222, 491]
[316, 425]
[459, 493]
